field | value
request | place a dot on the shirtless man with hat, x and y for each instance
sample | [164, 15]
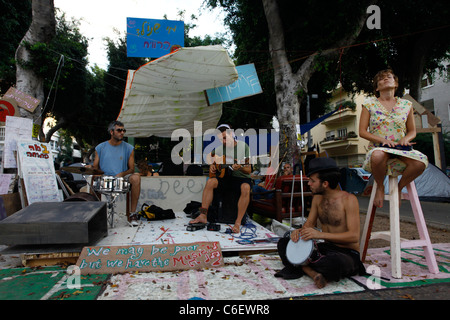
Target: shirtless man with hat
[336, 253]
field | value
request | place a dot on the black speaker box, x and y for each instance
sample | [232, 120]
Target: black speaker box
[79, 222]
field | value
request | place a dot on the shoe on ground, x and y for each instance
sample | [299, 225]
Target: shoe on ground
[134, 219]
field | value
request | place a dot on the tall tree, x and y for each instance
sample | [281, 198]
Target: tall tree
[308, 45]
[16, 19]
[303, 36]
[413, 40]
[42, 30]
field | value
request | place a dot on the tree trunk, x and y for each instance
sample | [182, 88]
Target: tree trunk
[42, 29]
[414, 71]
[60, 124]
[291, 88]
[288, 104]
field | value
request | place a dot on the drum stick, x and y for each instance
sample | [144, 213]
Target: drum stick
[292, 196]
[303, 200]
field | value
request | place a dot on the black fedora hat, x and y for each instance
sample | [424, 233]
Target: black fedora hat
[321, 164]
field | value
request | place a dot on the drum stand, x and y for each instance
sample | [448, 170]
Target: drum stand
[111, 205]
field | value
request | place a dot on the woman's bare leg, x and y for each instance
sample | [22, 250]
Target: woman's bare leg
[379, 162]
[414, 168]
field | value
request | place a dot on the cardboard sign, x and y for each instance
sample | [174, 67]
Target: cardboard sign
[23, 100]
[147, 258]
[151, 38]
[246, 85]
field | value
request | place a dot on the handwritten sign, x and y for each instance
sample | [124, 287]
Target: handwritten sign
[16, 128]
[151, 38]
[146, 258]
[246, 85]
[38, 171]
[24, 101]
[5, 182]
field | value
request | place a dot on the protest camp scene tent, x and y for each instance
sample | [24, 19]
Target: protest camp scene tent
[431, 185]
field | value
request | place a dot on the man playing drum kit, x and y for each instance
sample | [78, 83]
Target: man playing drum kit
[332, 253]
[115, 158]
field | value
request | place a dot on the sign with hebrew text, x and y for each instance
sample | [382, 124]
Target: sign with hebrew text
[23, 100]
[246, 85]
[147, 258]
[151, 38]
[38, 172]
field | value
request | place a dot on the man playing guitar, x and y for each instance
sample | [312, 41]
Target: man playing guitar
[233, 155]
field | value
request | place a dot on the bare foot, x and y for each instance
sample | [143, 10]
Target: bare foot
[379, 197]
[236, 228]
[318, 278]
[200, 219]
[320, 281]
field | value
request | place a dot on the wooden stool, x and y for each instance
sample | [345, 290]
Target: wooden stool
[394, 234]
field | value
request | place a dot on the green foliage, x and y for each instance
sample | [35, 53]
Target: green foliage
[65, 141]
[313, 26]
[409, 29]
[16, 19]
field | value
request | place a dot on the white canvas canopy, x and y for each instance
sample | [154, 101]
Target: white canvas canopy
[168, 93]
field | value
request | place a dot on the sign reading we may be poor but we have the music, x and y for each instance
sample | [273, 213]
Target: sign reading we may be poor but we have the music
[146, 258]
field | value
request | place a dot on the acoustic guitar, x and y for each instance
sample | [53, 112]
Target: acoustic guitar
[223, 170]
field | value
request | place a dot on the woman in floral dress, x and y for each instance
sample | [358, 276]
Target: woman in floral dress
[391, 128]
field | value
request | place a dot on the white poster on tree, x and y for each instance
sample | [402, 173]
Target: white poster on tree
[16, 129]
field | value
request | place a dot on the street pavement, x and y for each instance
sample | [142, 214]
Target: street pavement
[436, 214]
[437, 291]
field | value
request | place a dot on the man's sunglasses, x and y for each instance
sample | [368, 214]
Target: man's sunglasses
[121, 130]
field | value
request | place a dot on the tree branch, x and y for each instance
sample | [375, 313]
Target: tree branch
[306, 70]
[61, 123]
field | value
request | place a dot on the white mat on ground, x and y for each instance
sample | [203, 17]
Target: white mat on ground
[248, 278]
[174, 231]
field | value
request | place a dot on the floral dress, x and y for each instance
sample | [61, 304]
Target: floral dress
[390, 125]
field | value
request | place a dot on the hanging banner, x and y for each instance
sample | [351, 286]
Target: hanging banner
[151, 38]
[246, 85]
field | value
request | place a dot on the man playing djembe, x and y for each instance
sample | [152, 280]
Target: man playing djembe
[337, 211]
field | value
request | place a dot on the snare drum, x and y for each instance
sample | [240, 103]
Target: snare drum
[104, 184]
[298, 252]
[121, 185]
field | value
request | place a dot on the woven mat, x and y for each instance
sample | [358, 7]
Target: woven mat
[249, 278]
[414, 268]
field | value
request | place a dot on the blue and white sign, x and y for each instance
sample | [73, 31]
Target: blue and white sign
[151, 38]
[246, 85]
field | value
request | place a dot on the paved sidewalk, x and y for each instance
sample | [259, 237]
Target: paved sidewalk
[438, 291]
[437, 214]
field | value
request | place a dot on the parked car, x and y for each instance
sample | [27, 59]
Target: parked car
[362, 173]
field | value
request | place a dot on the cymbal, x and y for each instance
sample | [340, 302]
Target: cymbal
[83, 170]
